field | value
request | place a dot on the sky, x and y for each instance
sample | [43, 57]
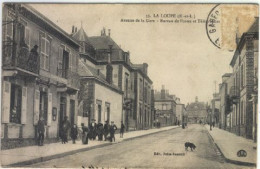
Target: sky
[180, 55]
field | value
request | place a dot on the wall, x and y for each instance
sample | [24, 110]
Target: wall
[105, 94]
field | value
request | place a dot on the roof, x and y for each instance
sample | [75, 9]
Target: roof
[157, 97]
[254, 29]
[227, 75]
[196, 106]
[255, 26]
[81, 36]
[88, 71]
[103, 42]
[49, 22]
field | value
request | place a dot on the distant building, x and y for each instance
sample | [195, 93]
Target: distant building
[226, 114]
[165, 106]
[215, 108]
[197, 111]
[181, 113]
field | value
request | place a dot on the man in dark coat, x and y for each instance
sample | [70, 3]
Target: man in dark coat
[100, 131]
[65, 130]
[41, 130]
[113, 129]
[106, 130]
[122, 129]
[74, 133]
[93, 129]
[84, 134]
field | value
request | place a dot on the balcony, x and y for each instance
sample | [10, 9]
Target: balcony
[26, 62]
[129, 94]
[234, 94]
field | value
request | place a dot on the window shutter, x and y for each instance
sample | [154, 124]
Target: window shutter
[27, 36]
[70, 61]
[6, 102]
[24, 105]
[36, 107]
[49, 109]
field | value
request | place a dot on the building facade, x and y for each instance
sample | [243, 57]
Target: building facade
[165, 106]
[226, 113]
[96, 52]
[242, 94]
[39, 76]
[197, 111]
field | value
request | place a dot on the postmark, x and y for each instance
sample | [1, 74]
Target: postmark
[213, 28]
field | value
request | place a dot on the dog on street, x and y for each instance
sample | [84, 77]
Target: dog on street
[189, 145]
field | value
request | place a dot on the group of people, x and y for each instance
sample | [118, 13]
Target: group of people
[106, 131]
[100, 131]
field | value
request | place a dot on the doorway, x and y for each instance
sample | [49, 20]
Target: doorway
[72, 112]
[62, 113]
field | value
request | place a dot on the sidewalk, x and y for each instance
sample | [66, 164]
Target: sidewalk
[33, 154]
[229, 144]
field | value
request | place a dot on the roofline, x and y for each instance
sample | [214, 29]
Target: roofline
[241, 45]
[49, 22]
[100, 81]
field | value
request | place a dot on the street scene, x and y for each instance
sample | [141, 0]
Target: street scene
[129, 85]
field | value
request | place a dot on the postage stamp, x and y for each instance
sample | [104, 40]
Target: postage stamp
[129, 85]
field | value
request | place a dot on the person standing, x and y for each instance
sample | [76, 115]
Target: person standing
[74, 133]
[84, 134]
[41, 130]
[122, 129]
[65, 130]
[106, 130]
[100, 131]
[113, 129]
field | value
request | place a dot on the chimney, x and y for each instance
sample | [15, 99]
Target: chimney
[163, 92]
[109, 32]
[109, 73]
[73, 29]
[98, 72]
[76, 29]
[145, 67]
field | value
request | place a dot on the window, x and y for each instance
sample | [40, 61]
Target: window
[16, 104]
[108, 112]
[27, 37]
[45, 53]
[141, 89]
[60, 61]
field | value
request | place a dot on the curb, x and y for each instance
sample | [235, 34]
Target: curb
[51, 157]
[227, 159]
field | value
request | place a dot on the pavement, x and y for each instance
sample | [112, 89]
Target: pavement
[229, 144]
[34, 154]
[159, 150]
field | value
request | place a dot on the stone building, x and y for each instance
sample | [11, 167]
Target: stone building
[96, 52]
[181, 114]
[99, 98]
[242, 94]
[39, 76]
[143, 96]
[197, 111]
[165, 106]
[226, 113]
